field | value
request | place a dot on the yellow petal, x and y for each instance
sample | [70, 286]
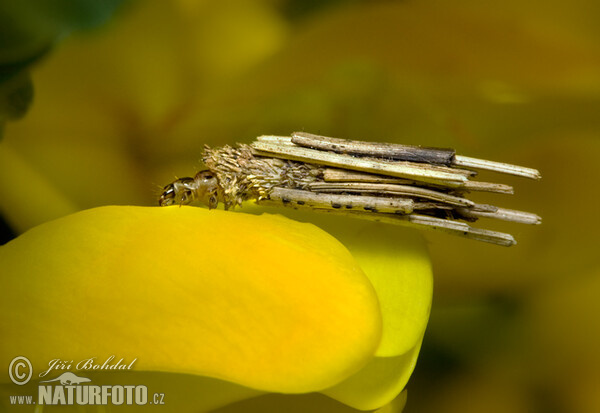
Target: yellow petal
[378, 383]
[303, 403]
[395, 406]
[261, 301]
[397, 263]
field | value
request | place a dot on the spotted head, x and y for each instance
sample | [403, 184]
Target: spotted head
[203, 187]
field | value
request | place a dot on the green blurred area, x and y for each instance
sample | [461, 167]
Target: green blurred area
[28, 30]
[120, 111]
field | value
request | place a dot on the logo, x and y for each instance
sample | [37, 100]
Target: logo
[67, 379]
[69, 388]
[17, 368]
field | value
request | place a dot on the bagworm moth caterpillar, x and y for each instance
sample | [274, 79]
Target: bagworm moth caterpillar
[398, 184]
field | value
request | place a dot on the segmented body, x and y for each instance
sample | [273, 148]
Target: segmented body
[242, 176]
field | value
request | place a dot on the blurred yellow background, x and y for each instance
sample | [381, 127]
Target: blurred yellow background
[119, 111]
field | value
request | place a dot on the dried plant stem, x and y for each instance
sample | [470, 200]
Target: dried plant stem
[396, 184]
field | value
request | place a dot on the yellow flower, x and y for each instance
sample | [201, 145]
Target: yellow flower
[216, 307]
[256, 303]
